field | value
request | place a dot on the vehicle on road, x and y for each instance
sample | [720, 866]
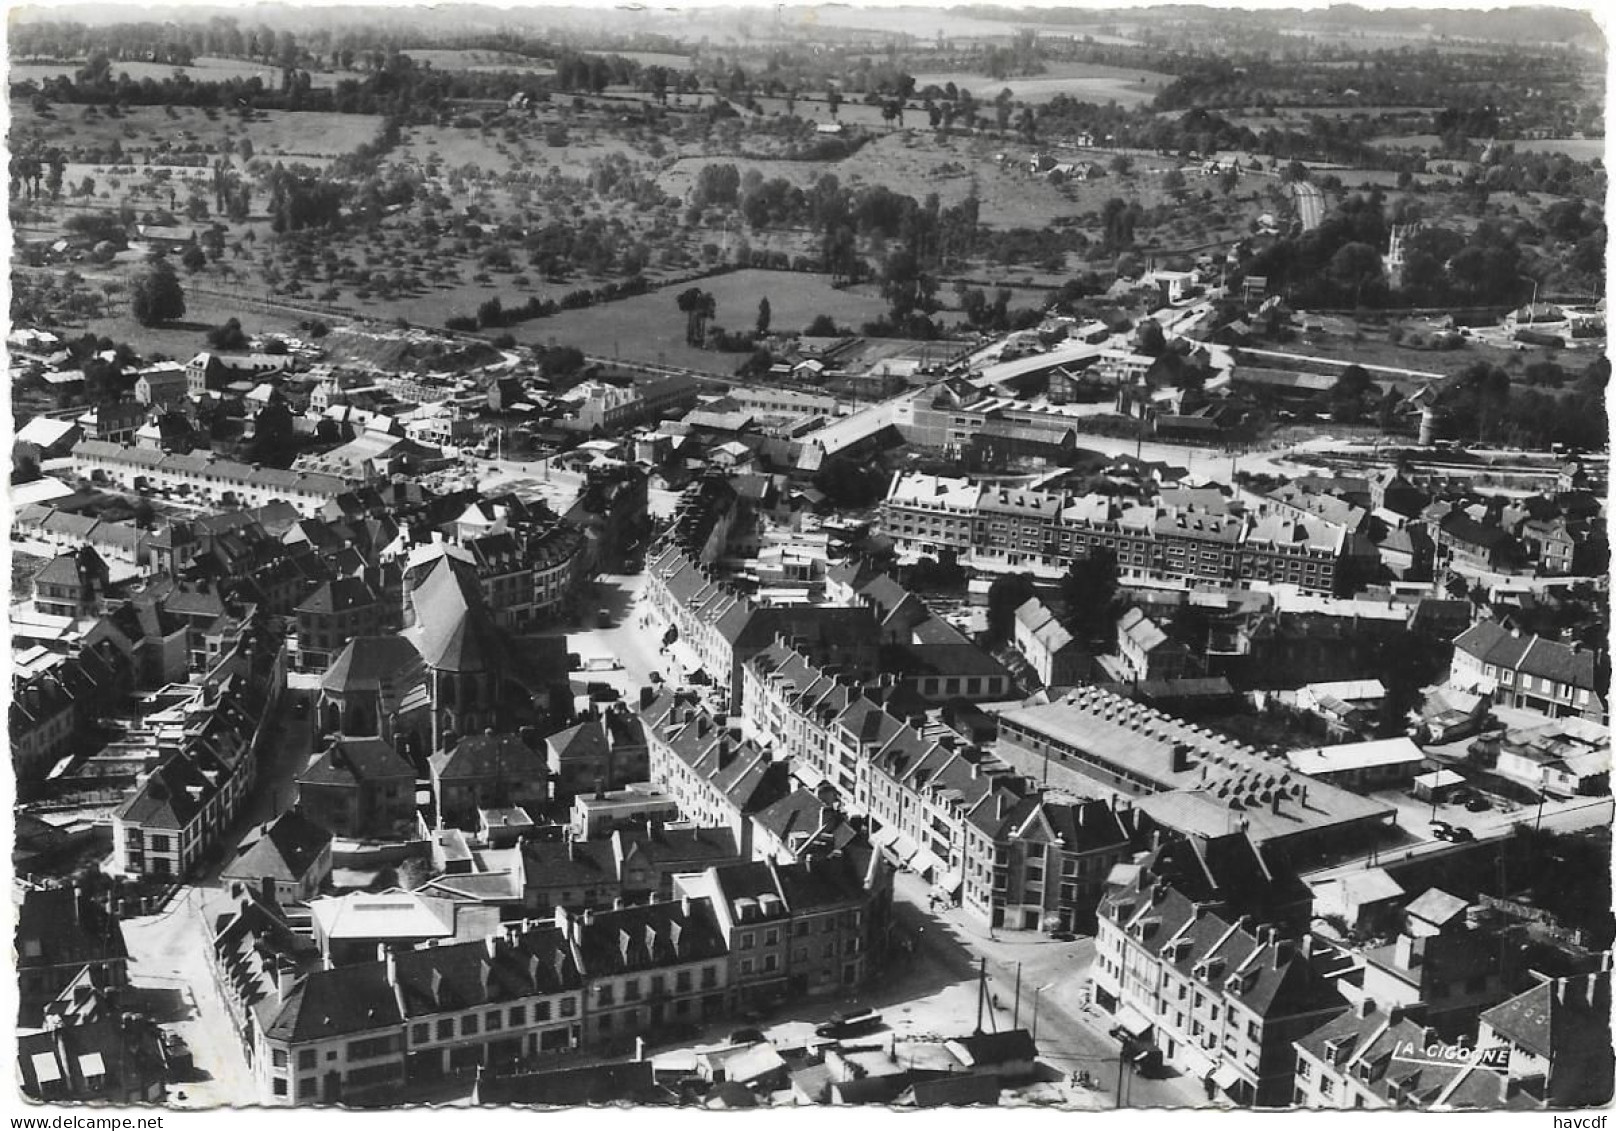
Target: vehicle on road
[1461, 835]
[1478, 804]
[1441, 830]
[1063, 936]
[849, 1024]
[747, 1037]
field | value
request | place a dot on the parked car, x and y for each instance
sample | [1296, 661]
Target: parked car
[1478, 804]
[1461, 835]
[747, 1037]
[849, 1024]
[1441, 830]
[1062, 936]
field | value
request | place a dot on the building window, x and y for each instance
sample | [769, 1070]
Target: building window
[1304, 1070]
[1326, 1086]
[569, 1007]
[631, 990]
[468, 1025]
[420, 1034]
[494, 1021]
[747, 941]
[608, 994]
[278, 1058]
[446, 1029]
[306, 1059]
[709, 977]
[519, 1015]
[279, 1086]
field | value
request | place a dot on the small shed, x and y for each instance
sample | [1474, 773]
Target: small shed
[1437, 785]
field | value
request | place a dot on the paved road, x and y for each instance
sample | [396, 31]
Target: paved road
[1309, 204]
[1071, 1036]
[1564, 817]
[169, 970]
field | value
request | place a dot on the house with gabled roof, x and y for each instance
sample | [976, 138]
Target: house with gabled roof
[1053, 653]
[1530, 672]
[1220, 996]
[287, 858]
[359, 787]
[485, 771]
[1558, 1034]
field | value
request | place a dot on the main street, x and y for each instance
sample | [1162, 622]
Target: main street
[1072, 1035]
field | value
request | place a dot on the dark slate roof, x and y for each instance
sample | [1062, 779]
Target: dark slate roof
[465, 975]
[817, 884]
[503, 756]
[171, 798]
[335, 1003]
[367, 661]
[282, 849]
[339, 596]
[1491, 643]
[70, 929]
[657, 934]
[1543, 1024]
[998, 1048]
[565, 864]
[584, 741]
[352, 760]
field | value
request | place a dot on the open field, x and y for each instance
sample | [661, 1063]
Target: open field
[1577, 148]
[483, 61]
[1581, 149]
[142, 130]
[657, 59]
[455, 147]
[1088, 82]
[205, 69]
[916, 163]
[650, 328]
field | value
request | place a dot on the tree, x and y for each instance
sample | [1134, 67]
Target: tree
[764, 315]
[823, 326]
[155, 296]
[228, 337]
[1090, 590]
[193, 259]
[1354, 266]
[1149, 338]
[849, 484]
[1354, 382]
[699, 307]
[1005, 596]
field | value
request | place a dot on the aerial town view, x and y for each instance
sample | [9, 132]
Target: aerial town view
[769, 556]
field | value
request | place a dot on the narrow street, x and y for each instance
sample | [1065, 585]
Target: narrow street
[170, 979]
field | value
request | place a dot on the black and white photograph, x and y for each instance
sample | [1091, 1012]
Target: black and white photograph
[769, 556]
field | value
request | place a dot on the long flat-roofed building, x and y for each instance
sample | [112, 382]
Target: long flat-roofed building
[1186, 777]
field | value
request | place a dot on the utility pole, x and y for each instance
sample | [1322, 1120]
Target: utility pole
[1015, 1015]
[1122, 1071]
[981, 992]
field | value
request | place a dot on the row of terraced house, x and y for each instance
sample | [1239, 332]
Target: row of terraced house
[997, 527]
[541, 988]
